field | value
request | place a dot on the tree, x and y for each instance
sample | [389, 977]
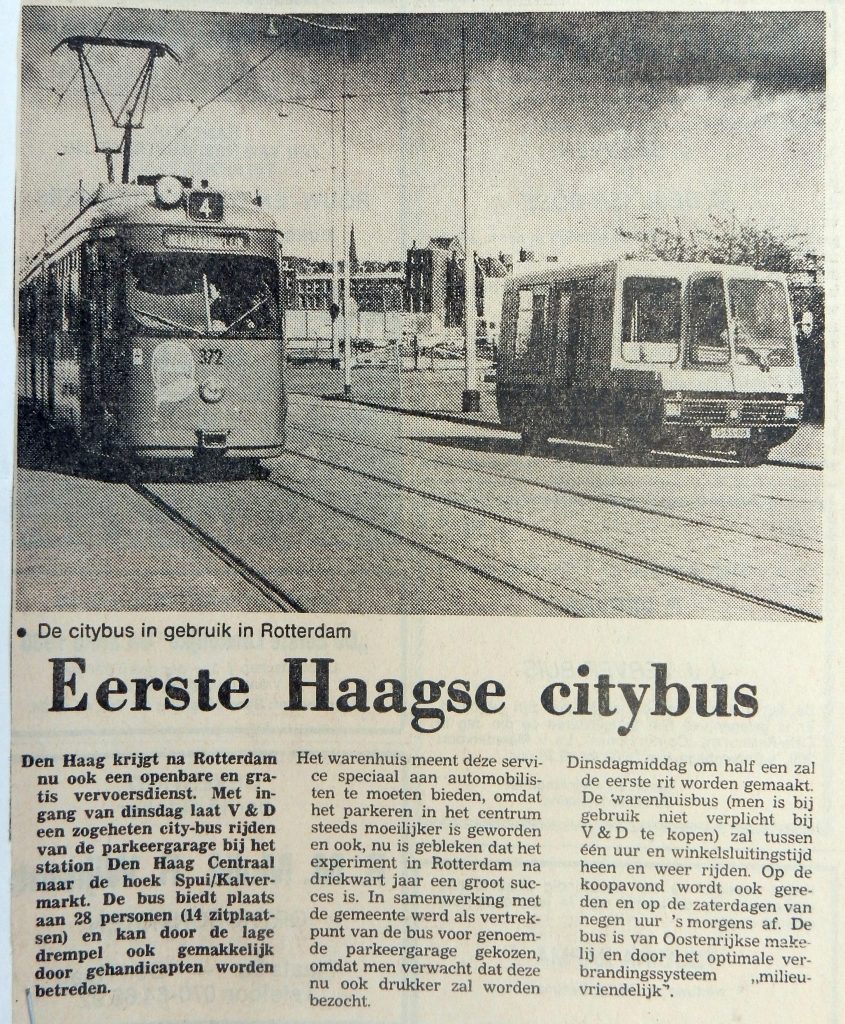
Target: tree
[724, 240]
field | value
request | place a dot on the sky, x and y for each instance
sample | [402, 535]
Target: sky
[578, 124]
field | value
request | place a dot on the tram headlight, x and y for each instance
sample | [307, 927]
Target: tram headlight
[168, 191]
[672, 410]
[211, 391]
[792, 411]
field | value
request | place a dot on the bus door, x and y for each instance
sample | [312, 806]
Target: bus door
[571, 334]
[564, 336]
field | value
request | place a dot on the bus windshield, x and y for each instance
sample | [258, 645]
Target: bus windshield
[762, 329]
[198, 294]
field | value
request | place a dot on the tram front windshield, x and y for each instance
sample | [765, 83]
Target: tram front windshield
[219, 295]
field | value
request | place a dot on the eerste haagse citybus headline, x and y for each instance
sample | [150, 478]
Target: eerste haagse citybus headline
[316, 685]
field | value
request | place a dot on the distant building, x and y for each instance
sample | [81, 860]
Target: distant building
[490, 278]
[434, 279]
[430, 282]
[376, 286]
[288, 282]
[374, 290]
[312, 290]
[431, 279]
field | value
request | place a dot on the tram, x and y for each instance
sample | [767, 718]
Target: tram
[151, 325]
[643, 354]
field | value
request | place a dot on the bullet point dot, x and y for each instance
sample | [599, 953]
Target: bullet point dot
[21, 632]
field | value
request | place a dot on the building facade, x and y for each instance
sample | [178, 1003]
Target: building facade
[375, 287]
[434, 280]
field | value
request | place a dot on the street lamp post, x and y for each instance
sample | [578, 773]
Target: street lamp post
[347, 269]
[472, 396]
[335, 303]
[345, 31]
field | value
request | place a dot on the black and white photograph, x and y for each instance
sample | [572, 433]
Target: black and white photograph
[485, 314]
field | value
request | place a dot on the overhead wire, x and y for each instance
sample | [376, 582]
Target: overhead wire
[222, 92]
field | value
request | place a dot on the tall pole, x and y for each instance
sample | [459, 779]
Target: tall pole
[335, 281]
[472, 396]
[347, 345]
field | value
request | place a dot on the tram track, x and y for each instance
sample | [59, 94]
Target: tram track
[277, 597]
[641, 563]
[430, 549]
[557, 489]
[282, 600]
[528, 579]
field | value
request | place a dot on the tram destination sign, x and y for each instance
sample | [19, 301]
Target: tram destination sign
[206, 241]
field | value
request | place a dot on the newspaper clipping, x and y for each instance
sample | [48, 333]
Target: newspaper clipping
[424, 595]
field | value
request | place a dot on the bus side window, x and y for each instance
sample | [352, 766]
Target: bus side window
[524, 320]
[651, 319]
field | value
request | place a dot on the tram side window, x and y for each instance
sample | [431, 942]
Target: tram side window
[651, 320]
[54, 307]
[708, 321]
[66, 313]
[29, 315]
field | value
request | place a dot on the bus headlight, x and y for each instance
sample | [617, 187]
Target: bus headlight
[792, 412]
[672, 410]
[211, 391]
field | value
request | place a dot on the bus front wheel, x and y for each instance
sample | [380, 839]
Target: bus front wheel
[534, 442]
[752, 454]
[629, 449]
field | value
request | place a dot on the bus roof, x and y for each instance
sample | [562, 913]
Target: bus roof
[549, 272]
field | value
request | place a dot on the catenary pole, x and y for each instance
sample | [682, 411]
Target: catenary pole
[471, 397]
[347, 270]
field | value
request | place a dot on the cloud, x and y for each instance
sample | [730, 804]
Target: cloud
[579, 124]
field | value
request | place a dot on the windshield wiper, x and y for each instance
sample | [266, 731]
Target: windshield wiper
[760, 358]
[173, 324]
[264, 299]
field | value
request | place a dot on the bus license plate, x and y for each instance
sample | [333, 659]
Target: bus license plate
[730, 432]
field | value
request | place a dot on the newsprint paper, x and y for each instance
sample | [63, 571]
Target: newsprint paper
[426, 562]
